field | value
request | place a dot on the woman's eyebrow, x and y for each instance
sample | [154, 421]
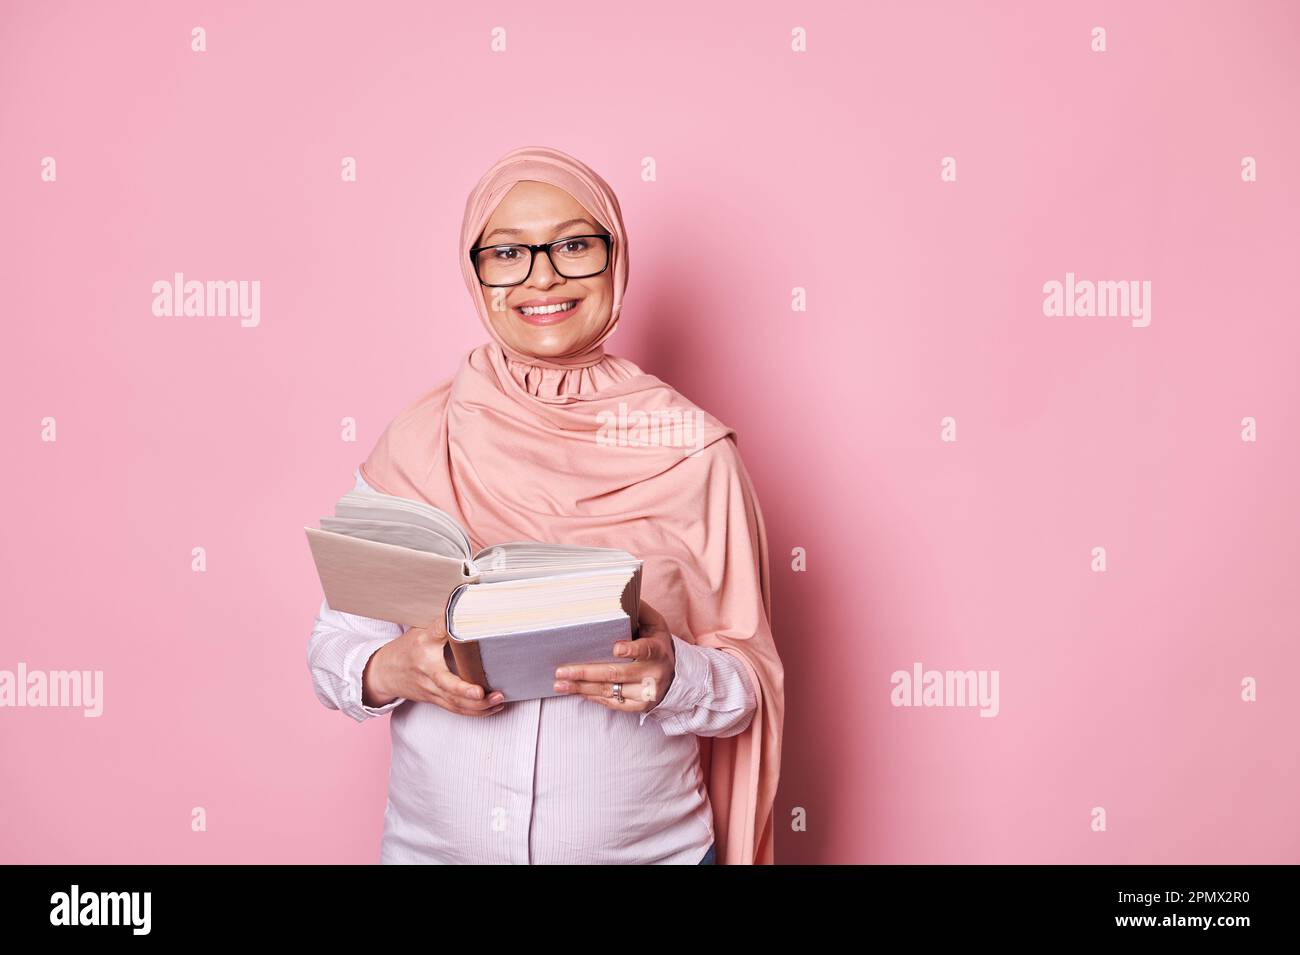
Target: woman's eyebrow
[555, 228]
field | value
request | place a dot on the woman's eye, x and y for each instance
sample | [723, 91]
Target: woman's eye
[507, 254]
[574, 246]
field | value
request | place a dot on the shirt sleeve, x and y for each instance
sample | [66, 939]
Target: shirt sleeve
[341, 645]
[711, 694]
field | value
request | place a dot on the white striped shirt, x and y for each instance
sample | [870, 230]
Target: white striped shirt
[561, 780]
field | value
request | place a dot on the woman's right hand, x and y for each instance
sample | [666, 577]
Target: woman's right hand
[413, 667]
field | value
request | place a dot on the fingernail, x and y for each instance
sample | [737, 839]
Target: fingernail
[562, 672]
[561, 685]
[497, 697]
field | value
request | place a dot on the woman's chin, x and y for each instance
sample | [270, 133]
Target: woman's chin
[549, 342]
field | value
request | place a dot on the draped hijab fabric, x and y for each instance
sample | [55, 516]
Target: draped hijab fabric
[588, 449]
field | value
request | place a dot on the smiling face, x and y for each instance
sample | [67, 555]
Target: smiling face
[532, 213]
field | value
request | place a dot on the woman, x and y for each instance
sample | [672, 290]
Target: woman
[541, 435]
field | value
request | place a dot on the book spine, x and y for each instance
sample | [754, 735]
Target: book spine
[469, 663]
[466, 654]
[631, 601]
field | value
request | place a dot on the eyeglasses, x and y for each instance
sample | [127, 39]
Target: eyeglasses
[574, 257]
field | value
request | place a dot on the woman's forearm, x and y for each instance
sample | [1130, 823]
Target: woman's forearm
[711, 694]
[341, 645]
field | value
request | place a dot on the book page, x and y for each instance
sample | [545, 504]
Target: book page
[503, 607]
[399, 533]
[529, 558]
[373, 506]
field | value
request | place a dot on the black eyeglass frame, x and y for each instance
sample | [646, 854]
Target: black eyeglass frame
[532, 257]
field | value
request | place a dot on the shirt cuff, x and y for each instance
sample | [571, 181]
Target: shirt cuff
[355, 667]
[691, 681]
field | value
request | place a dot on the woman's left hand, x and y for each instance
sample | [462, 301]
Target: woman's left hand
[645, 679]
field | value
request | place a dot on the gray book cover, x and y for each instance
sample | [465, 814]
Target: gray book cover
[522, 665]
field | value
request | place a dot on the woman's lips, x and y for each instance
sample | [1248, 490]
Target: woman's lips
[551, 318]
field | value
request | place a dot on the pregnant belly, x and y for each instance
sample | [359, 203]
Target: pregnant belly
[559, 780]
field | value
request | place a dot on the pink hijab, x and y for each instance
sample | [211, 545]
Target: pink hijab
[588, 449]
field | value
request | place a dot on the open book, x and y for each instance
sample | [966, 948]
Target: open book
[513, 611]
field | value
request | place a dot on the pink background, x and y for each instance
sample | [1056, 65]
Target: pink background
[775, 170]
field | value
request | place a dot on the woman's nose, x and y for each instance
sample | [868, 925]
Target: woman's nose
[543, 275]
